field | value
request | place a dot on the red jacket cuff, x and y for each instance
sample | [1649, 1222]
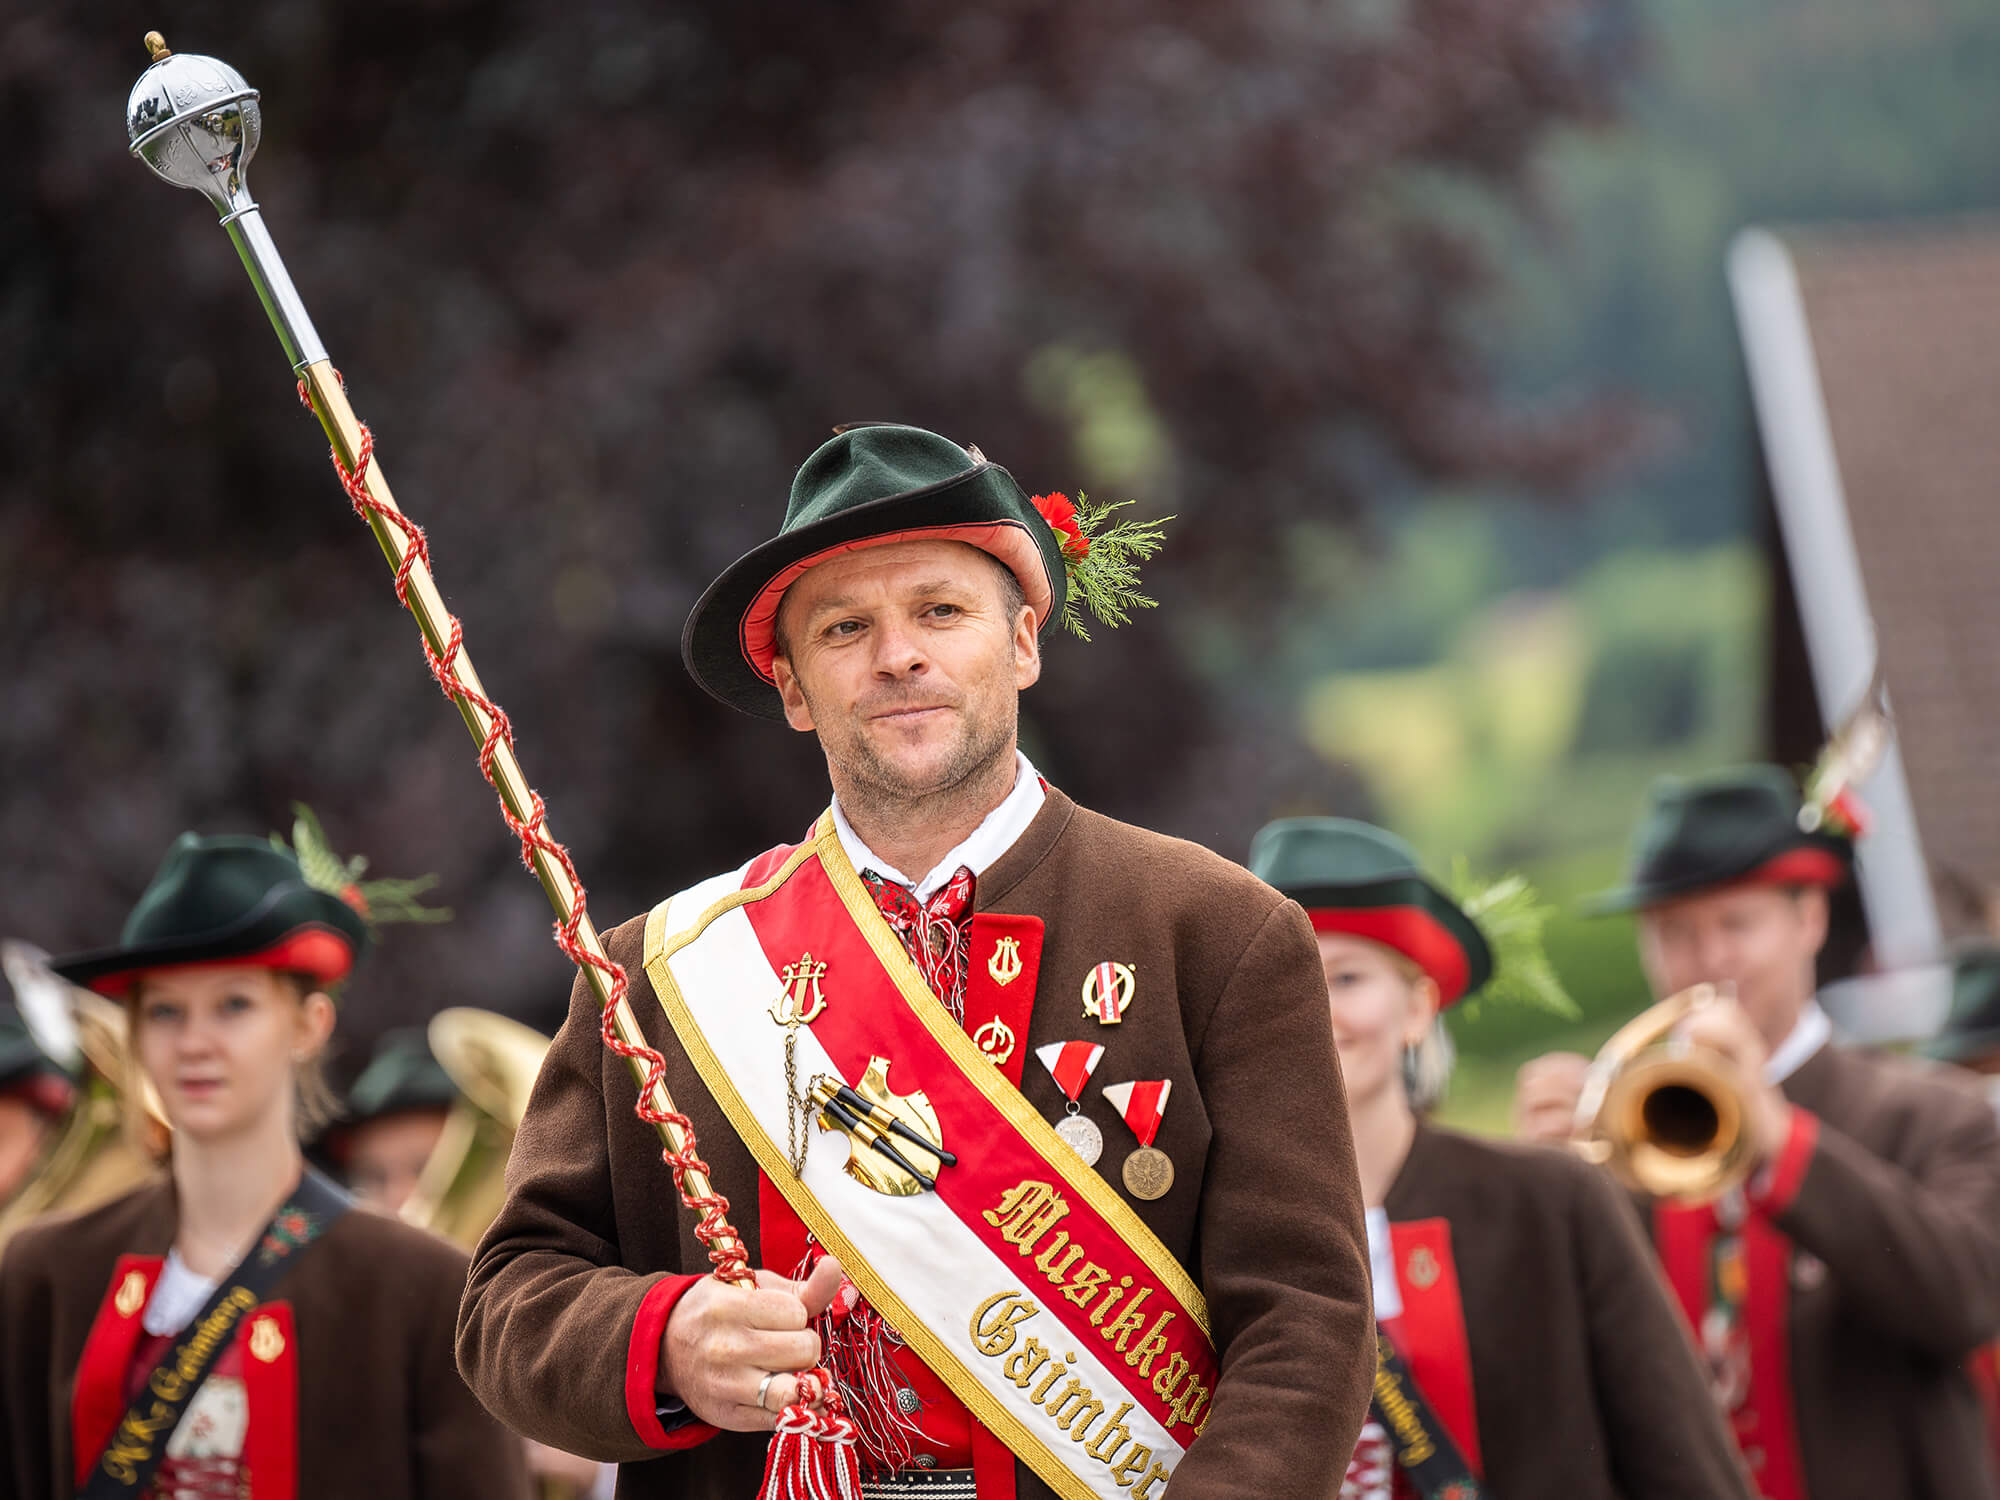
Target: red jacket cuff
[642, 1369]
[1774, 1188]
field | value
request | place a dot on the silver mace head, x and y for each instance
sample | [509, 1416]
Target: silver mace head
[196, 123]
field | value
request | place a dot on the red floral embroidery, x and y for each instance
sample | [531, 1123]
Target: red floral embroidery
[1059, 513]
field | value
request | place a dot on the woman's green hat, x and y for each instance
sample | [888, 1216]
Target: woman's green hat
[1736, 827]
[1358, 879]
[402, 1074]
[252, 902]
[26, 1071]
[1973, 1028]
[878, 483]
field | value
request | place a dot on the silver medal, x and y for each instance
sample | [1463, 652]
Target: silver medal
[1081, 1136]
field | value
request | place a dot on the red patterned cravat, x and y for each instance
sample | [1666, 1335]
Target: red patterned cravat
[933, 931]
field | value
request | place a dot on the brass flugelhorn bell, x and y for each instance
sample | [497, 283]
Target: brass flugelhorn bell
[90, 1158]
[493, 1061]
[1662, 1113]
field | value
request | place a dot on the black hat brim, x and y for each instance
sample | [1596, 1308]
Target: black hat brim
[1640, 894]
[270, 927]
[712, 642]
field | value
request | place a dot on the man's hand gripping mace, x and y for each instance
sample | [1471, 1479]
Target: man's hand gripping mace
[196, 123]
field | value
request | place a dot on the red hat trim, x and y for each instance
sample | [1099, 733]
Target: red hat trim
[1417, 935]
[1006, 540]
[316, 951]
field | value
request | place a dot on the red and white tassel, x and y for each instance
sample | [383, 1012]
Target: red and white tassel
[812, 1456]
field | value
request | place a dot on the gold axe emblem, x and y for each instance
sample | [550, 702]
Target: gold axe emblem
[893, 1139]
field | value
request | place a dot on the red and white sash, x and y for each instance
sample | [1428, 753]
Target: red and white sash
[1024, 1281]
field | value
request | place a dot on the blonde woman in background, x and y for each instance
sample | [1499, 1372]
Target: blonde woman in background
[1528, 1347]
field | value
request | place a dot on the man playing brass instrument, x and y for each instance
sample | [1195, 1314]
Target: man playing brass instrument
[916, 1073]
[1838, 1292]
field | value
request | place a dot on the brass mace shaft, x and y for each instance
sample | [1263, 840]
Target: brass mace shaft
[196, 123]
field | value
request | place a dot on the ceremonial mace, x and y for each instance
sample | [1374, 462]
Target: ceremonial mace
[196, 123]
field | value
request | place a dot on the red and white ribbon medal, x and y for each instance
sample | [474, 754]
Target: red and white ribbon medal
[1148, 1172]
[1071, 1064]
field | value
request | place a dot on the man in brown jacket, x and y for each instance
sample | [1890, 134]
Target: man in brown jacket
[1163, 1008]
[1837, 1296]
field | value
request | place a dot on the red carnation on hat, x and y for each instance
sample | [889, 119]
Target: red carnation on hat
[1060, 514]
[1848, 814]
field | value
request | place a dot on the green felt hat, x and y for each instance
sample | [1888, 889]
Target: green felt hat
[866, 487]
[226, 900]
[1355, 878]
[401, 1074]
[1973, 1027]
[1733, 827]
[26, 1070]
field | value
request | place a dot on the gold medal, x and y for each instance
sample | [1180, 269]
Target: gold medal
[1081, 1136]
[1148, 1173]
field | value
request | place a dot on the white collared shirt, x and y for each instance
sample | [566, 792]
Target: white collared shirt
[994, 836]
[1382, 1266]
[1809, 1033]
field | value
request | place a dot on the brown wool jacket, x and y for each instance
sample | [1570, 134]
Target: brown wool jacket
[1265, 1210]
[1583, 1380]
[382, 1411]
[1895, 1277]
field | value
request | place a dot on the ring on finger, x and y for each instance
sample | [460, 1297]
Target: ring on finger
[764, 1389]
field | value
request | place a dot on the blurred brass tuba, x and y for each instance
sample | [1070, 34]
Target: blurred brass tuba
[493, 1061]
[89, 1158]
[1663, 1114]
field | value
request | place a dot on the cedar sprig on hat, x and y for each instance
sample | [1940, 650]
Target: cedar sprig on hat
[1101, 560]
[1512, 915]
[379, 902]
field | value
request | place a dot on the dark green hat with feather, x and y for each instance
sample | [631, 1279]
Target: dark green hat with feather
[873, 484]
[258, 903]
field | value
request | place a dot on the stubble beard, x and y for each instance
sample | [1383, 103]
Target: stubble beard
[877, 787]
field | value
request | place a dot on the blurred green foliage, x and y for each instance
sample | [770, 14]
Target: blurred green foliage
[1506, 680]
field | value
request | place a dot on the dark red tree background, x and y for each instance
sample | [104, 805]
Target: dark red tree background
[601, 275]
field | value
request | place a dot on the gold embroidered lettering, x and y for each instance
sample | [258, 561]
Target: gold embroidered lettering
[1056, 1273]
[1104, 1447]
[1087, 1406]
[1083, 1286]
[1186, 1406]
[1131, 1466]
[1027, 1211]
[1155, 1342]
[1121, 1328]
[1021, 1366]
[1417, 1446]
[995, 1319]
[1145, 1486]
[1110, 1299]
[1056, 1372]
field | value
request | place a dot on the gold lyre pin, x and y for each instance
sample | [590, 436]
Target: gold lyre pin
[1005, 963]
[801, 1000]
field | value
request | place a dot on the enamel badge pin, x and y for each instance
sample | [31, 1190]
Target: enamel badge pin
[1107, 991]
